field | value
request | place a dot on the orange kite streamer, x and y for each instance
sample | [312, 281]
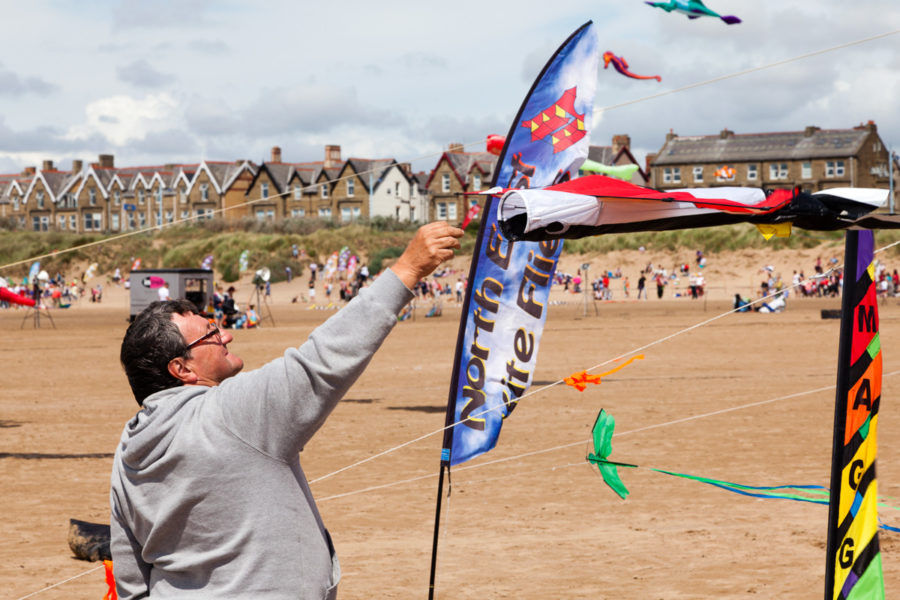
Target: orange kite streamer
[580, 380]
[110, 581]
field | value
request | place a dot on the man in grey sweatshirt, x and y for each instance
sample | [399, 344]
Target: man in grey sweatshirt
[207, 494]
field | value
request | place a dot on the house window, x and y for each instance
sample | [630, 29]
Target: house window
[345, 214]
[351, 187]
[141, 197]
[114, 221]
[40, 200]
[297, 192]
[806, 170]
[324, 191]
[142, 220]
[752, 172]
[204, 192]
[182, 195]
[159, 196]
[672, 175]
[92, 197]
[298, 212]
[476, 182]
[169, 216]
[61, 222]
[265, 214]
[185, 215]
[15, 203]
[451, 211]
[131, 224]
[698, 174]
[36, 223]
[325, 212]
[834, 168]
[445, 182]
[92, 221]
[778, 171]
[442, 211]
[263, 191]
[117, 198]
[396, 188]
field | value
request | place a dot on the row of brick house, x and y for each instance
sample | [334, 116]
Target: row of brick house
[104, 198]
[813, 159]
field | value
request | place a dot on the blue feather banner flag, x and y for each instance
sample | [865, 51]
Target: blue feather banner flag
[509, 283]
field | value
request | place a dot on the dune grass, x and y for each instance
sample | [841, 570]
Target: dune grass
[185, 246]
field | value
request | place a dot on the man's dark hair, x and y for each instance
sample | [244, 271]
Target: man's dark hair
[151, 341]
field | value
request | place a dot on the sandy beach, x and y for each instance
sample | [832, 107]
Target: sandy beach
[746, 398]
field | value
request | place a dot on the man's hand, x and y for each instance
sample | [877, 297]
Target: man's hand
[433, 244]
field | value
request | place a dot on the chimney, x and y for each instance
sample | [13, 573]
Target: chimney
[671, 136]
[649, 161]
[276, 154]
[77, 166]
[407, 168]
[619, 142]
[810, 130]
[47, 166]
[332, 156]
[456, 148]
[869, 126]
[29, 171]
[107, 161]
[725, 134]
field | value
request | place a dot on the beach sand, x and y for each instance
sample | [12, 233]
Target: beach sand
[745, 398]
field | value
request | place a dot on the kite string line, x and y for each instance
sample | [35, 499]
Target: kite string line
[555, 383]
[50, 587]
[750, 70]
[580, 442]
[433, 154]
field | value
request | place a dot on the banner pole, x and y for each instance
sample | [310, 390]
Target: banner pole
[437, 527]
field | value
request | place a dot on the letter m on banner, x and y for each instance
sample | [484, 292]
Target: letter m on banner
[853, 567]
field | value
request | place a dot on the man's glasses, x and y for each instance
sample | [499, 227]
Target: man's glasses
[212, 333]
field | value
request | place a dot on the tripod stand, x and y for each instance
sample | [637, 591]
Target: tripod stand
[264, 311]
[35, 314]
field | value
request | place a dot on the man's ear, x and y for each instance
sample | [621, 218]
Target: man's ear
[179, 369]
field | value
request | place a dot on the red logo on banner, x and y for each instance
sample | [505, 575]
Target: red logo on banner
[559, 124]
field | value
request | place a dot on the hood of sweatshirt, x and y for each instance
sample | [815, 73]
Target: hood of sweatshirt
[148, 435]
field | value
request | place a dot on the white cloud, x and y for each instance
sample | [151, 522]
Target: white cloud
[122, 119]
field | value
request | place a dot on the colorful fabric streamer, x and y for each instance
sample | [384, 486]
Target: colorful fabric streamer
[580, 380]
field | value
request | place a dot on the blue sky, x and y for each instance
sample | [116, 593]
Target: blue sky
[170, 81]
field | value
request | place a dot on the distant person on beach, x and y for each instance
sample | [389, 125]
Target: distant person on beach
[642, 286]
[163, 291]
[208, 498]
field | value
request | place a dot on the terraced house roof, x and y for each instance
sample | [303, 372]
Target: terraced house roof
[790, 145]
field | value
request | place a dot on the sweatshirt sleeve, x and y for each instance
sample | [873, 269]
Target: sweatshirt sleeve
[132, 574]
[278, 407]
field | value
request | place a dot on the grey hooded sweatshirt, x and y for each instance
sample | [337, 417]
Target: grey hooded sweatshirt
[208, 497]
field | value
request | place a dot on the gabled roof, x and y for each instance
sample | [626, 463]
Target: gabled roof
[461, 163]
[55, 182]
[222, 173]
[790, 145]
[410, 179]
[185, 175]
[364, 167]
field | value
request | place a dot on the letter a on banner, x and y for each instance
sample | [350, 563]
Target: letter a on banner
[509, 283]
[853, 568]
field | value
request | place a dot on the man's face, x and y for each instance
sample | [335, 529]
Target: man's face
[211, 362]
